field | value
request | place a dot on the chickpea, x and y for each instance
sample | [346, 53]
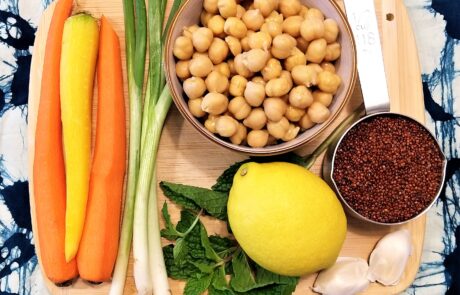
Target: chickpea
[304, 75]
[277, 87]
[314, 13]
[332, 51]
[331, 30]
[227, 8]
[216, 25]
[300, 97]
[194, 105]
[260, 40]
[245, 44]
[257, 138]
[302, 44]
[255, 59]
[291, 25]
[275, 108]
[200, 54]
[290, 7]
[316, 50]
[327, 66]
[256, 119]
[311, 29]
[318, 113]
[211, 6]
[318, 69]
[291, 133]
[305, 122]
[231, 66]
[214, 103]
[265, 6]
[233, 44]
[194, 87]
[237, 85]
[282, 46]
[329, 82]
[259, 80]
[183, 48]
[223, 68]
[240, 67]
[303, 11]
[297, 58]
[200, 66]
[240, 11]
[210, 123]
[254, 93]
[226, 126]
[239, 108]
[240, 134]
[253, 19]
[205, 17]
[272, 69]
[279, 128]
[202, 39]
[294, 114]
[216, 82]
[275, 16]
[235, 27]
[188, 31]
[218, 51]
[287, 78]
[322, 97]
[182, 69]
[273, 28]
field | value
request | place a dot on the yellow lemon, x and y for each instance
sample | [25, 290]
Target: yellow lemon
[286, 218]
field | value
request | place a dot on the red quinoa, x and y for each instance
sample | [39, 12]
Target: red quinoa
[388, 168]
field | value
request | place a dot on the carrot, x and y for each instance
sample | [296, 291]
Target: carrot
[99, 244]
[48, 167]
[78, 66]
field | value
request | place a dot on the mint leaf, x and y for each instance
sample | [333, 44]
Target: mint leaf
[180, 251]
[194, 198]
[221, 244]
[204, 267]
[225, 181]
[213, 291]
[265, 277]
[197, 285]
[169, 232]
[274, 289]
[219, 281]
[208, 250]
[175, 271]
[243, 279]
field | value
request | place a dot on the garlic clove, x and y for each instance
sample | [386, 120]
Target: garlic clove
[389, 258]
[347, 276]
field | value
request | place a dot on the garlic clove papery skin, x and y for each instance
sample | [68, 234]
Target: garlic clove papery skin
[389, 258]
[347, 276]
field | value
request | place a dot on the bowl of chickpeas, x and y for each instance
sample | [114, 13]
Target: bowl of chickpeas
[262, 77]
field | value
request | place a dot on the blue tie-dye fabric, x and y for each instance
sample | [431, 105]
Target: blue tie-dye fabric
[437, 27]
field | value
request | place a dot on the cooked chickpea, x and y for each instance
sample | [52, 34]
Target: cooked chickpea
[211, 6]
[254, 93]
[257, 138]
[331, 30]
[300, 97]
[231, 66]
[188, 31]
[200, 66]
[233, 44]
[240, 67]
[182, 69]
[296, 58]
[255, 59]
[327, 66]
[278, 129]
[226, 126]
[194, 105]
[253, 19]
[302, 44]
[322, 97]
[239, 107]
[223, 68]
[291, 133]
[316, 50]
[287, 78]
[237, 85]
[303, 11]
[332, 51]
[277, 87]
[290, 7]
[216, 25]
[240, 134]
[183, 48]
[273, 28]
[240, 11]
[202, 54]
[210, 123]
[311, 29]
[216, 82]
[245, 44]
[294, 114]
[318, 113]
[227, 8]
[304, 75]
[305, 122]
[259, 80]
[194, 87]
[205, 17]
[274, 108]
[291, 25]
[275, 16]
[218, 51]
[235, 27]
[314, 13]
[265, 6]
[329, 82]
[256, 119]
[282, 46]
[202, 39]
[260, 40]
[272, 69]
[214, 103]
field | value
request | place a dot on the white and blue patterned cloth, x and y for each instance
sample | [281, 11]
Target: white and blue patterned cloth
[437, 27]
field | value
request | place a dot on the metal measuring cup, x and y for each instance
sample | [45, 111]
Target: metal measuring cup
[361, 16]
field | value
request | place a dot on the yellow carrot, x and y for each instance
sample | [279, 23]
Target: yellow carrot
[78, 65]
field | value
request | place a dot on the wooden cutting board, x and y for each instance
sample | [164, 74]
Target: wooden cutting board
[187, 157]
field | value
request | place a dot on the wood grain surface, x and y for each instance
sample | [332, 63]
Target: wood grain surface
[187, 157]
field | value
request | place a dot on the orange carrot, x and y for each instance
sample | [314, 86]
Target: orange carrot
[48, 167]
[99, 244]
